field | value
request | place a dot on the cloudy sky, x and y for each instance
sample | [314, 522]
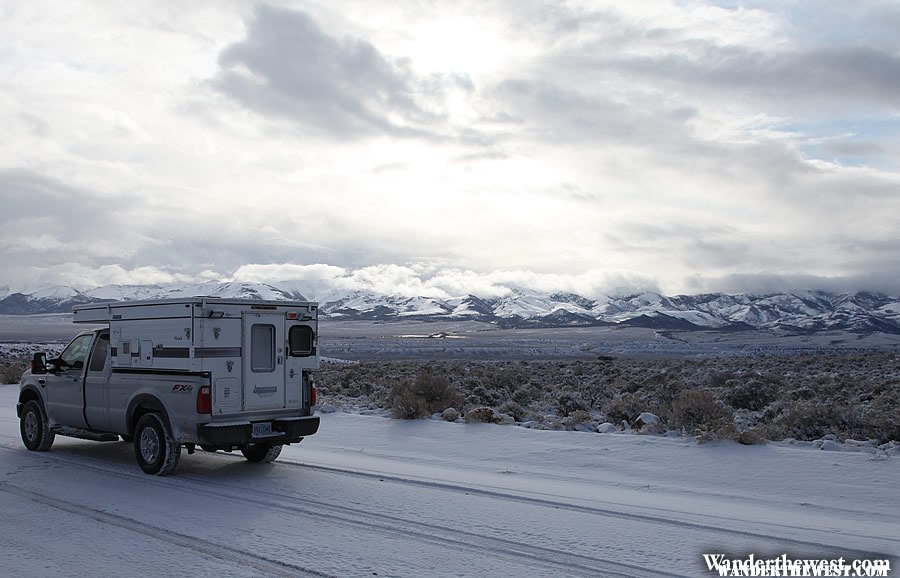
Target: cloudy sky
[449, 147]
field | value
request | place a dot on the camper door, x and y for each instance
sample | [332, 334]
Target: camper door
[263, 361]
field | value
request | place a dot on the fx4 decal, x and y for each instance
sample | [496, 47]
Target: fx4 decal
[182, 388]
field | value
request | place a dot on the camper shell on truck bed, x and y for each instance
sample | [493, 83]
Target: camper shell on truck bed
[219, 373]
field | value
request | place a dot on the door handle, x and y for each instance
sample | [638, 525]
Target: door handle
[42, 382]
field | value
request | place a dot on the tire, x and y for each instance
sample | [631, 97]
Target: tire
[154, 447]
[261, 454]
[35, 430]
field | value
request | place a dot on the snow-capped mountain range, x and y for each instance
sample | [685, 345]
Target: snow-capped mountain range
[796, 311]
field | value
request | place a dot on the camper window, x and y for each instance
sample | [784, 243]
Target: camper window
[262, 348]
[300, 339]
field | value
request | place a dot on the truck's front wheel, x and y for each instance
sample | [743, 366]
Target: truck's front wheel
[154, 448]
[261, 454]
[35, 430]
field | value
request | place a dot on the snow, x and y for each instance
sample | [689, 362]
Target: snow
[421, 306]
[56, 292]
[461, 308]
[370, 495]
[648, 418]
[233, 290]
[527, 304]
[125, 292]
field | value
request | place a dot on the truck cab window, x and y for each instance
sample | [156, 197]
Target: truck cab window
[101, 352]
[76, 352]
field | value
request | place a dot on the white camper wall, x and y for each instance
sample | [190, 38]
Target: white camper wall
[218, 351]
[158, 336]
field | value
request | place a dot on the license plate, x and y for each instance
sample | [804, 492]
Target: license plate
[262, 429]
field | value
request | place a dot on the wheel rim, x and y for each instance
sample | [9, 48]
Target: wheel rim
[149, 445]
[31, 426]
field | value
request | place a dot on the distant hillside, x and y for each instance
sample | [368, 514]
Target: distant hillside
[804, 311]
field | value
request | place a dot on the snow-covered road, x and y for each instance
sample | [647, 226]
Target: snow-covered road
[374, 496]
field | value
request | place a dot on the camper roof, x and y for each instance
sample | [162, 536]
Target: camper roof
[102, 312]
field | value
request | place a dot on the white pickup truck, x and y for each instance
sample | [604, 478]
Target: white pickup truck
[221, 374]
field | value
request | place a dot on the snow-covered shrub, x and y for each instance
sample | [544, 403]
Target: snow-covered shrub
[450, 414]
[568, 403]
[514, 409]
[751, 437]
[867, 383]
[508, 378]
[720, 378]
[753, 394]
[648, 422]
[526, 395]
[877, 419]
[624, 408]
[811, 420]
[11, 373]
[480, 415]
[662, 389]
[801, 393]
[575, 418]
[882, 416]
[504, 419]
[429, 393]
[697, 410]
[483, 396]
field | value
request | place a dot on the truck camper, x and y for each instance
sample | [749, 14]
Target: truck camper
[167, 374]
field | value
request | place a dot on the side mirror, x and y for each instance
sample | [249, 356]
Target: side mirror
[39, 363]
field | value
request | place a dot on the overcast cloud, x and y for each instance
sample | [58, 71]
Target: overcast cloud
[452, 148]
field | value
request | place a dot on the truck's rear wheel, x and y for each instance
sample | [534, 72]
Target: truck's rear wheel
[261, 454]
[154, 447]
[36, 434]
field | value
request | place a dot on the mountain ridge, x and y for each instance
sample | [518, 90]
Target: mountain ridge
[804, 311]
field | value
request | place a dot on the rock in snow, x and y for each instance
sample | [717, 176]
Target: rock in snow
[647, 418]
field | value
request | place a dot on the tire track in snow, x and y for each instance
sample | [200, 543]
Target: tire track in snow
[351, 515]
[464, 539]
[605, 512]
[459, 488]
[555, 560]
[193, 543]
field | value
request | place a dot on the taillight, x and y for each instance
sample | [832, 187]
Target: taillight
[204, 400]
[312, 392]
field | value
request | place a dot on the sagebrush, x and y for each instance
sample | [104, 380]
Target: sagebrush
[803, 396]
[427, 394]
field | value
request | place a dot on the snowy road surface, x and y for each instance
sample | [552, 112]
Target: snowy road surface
[373, 496]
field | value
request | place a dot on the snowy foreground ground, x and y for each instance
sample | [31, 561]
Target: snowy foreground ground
[373, 496]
